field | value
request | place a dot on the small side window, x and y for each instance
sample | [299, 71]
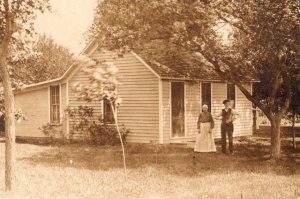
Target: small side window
[108, 112]
[54, 104]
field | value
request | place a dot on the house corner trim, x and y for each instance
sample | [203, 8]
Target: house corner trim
[160, 112]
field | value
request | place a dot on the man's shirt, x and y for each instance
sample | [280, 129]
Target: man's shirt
[228, 115]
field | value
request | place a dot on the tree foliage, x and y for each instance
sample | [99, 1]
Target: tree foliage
[241, 40]
[49, 60]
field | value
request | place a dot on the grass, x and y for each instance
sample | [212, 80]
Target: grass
[74, 171]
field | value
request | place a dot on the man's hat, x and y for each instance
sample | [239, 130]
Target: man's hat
[225, 101]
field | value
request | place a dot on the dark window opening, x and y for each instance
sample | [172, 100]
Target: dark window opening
[231, 92]
[178, 109]
[206, 95]
[108, 115]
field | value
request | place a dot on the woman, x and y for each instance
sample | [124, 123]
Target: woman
[205, 139]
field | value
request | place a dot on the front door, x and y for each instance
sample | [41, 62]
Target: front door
[177, 103]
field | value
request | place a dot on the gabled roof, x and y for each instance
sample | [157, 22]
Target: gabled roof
[174, 68]
[174, 62]
[171, 64]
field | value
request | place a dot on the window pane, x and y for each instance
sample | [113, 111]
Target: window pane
[57, 95]
[52, 99]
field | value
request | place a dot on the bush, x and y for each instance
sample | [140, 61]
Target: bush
[96, 131]
[80, 120]
[54, 132]
[106, 134]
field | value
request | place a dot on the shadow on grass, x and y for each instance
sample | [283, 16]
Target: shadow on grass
[250, 156]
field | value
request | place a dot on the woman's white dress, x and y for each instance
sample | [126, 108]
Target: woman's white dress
[205, 140]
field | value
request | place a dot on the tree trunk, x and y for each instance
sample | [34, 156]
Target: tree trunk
[275, 150]
[120, 136]
[9, 126]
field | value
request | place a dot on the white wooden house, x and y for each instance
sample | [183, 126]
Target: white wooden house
[160, 103]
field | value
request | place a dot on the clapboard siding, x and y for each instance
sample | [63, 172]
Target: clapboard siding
[138, 89]
[140, 102]
[192, 109]
[218, 95]
[243, 125]
[35, 107]
[166, 111]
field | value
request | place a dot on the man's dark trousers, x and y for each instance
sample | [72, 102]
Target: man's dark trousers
[227, 130]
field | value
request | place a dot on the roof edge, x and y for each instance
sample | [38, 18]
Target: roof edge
[145, 64]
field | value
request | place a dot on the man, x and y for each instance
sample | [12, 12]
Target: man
[228, 115]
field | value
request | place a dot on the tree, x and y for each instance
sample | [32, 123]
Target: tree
[16, 27]
[240, 40]
[50, 60]
[103, 81]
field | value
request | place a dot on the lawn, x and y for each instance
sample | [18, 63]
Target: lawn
[89, 172]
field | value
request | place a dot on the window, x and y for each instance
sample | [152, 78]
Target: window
[231, 92]
[108, 115]
[54, 104]
[206, 95]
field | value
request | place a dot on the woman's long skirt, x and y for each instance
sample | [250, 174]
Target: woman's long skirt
[205, 140]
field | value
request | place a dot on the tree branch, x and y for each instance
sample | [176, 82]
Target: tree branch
[236, 25]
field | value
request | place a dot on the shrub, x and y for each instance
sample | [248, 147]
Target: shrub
[80, 119]
[106, 134]
[94, 130]
[54, 132]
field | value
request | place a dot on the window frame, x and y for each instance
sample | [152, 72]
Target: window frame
[185, 108]
[55, 90]
[105, 103]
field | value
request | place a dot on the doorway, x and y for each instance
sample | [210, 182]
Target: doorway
[178, 109]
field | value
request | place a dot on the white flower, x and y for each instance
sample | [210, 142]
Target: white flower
[111, 68]
[118, 101]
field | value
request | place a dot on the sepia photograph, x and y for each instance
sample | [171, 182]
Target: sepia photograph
[150, 99]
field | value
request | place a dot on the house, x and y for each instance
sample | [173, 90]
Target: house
[160, 103]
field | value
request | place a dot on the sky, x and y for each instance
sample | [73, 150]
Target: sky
[67, 22]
